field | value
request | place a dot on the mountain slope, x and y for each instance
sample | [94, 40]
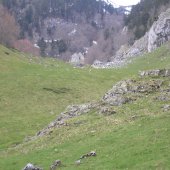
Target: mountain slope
[35, 90]
[61, 29]
[144, 14]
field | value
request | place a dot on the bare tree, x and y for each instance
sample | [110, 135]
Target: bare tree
[9, 30]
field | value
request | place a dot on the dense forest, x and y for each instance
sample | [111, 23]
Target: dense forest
[31, 12]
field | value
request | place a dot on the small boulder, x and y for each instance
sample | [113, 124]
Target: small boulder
[56, 164]
[116, 96]
[107, 111]
[92, 153]
[30, 166]
[78, 162]
[166, 108]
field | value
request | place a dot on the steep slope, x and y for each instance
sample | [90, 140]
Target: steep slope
[144, 14]
[157, 35]
[35, 90]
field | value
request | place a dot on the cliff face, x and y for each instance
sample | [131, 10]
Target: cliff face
[158, 34]
[160, 31]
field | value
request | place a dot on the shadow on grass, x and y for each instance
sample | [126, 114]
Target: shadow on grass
[58, 90]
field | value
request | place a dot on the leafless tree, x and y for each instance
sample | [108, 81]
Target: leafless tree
[9, 30]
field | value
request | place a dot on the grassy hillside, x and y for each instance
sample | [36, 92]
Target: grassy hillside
[35, 90]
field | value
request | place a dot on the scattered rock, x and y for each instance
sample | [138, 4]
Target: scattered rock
[107, 111]
[78, 162]
[115, 96]
[166, 108]
[107, 65]
[147, 86]
[160, 31]
[71, 111]
[30, 166]
[155, 73]
[92, 153]
[116, 100]
[56, 164]
[163, 97]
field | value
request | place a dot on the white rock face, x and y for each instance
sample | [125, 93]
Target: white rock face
[160, 31]
[77, 59]
[158, 34]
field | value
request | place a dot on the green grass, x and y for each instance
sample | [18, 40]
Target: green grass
[35, 90]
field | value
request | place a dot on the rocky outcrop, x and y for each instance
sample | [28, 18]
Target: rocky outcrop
[107, 111]
[71, 111]
[155, 73]
[129, 90]
[166, 108]
[160, 31]
[77, 59]
[92, 153]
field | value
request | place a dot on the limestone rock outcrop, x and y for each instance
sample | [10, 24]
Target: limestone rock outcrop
[129, 90]
[77, 59]
[158, 34]
[160, 31]
[71, 111]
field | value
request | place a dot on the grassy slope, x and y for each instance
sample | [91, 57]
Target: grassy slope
[34, 91]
